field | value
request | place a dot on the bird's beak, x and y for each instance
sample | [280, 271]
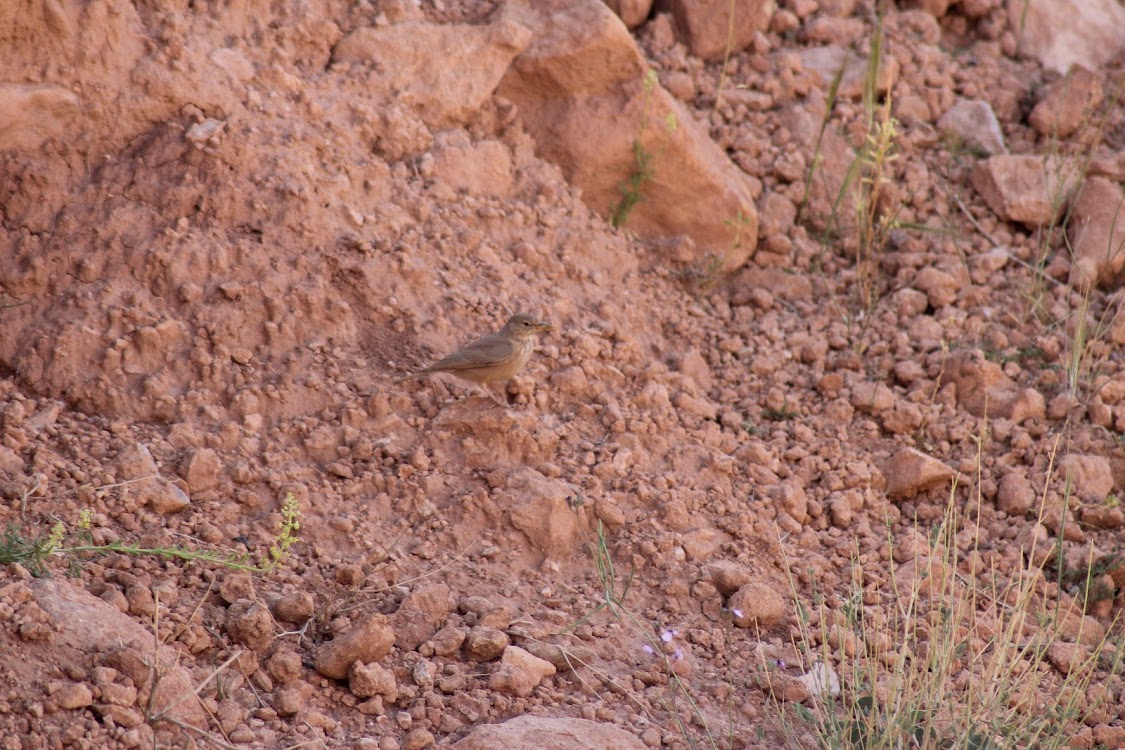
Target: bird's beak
[544, 325]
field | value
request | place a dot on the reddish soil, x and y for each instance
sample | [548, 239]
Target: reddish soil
[226, 311]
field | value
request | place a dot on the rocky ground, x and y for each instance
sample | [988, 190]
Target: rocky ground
[228, 227]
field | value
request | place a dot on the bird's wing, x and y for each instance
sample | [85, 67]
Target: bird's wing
[486, 351]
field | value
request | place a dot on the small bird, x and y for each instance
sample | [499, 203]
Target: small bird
[493, 357]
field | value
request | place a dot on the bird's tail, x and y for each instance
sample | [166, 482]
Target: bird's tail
[410, 375]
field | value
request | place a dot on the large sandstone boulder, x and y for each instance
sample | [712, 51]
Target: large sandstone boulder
[585, 94]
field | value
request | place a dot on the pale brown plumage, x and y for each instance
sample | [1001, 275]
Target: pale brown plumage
[493, 357]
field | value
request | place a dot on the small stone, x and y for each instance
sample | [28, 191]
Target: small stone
[941, 288]
[1103, 517]
[1067, 103]
[728, 576]
[236, 586]
[448, 641]
[485, 644]
[368, 680]
[203, 470]
[1015, 495]
[1032, 190]
[249, 623]
[702, 25]
[1065, 656]
[520, 672]
[123, 716]
[695, 367]
[296, 608]
[757, 604]
[369, 641]
[284, 666]
[910, 472]
[119, 695]
[1090, 475]
[291, 697]
[973, 123]
[163, 497]
[136, 462]
[784, 687]
[418, 739]
[74, 695]
[140, 600]
[1097, 234]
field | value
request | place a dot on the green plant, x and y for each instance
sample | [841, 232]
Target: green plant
[865, 201]
[818, 152]
[729, 47]
[783, 414]
[632, 189]
[658, 642]
[739, 222]
[938, 657]
[702, 275]
[35, 552]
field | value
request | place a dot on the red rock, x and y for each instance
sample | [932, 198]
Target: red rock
[367, 680]
[728, 576]
[1090, 476]
[1031, 190]
[1015, 495]
[420, 615]
[695, 367]
[418, 739]
[368, 641]
[204, 469]
[1097, 234]
[983, 388]
[284, 666]
[783, 687]
[87, 625]
[581, 92]
[163, 496]
[910, 472]
[74, 695]
[1061, 33]
[519, 673]
[973, 122]
[1067, 103]
[417, 61]
[936, 8]
[122, 716]
[631, 12]
[249, 623]
[1103, 517]
[34, 113]
[297, 607]
[292, 697]
[485, 644]
[706, 26]
[824, 63]
[540, 510]
[541, 733]
[757, 604]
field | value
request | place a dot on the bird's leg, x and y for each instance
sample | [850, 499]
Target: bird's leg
[492, 394]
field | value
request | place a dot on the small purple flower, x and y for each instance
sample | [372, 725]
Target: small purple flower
[737, 613]
[648, 649]
[779, 663]
[668, 635]
[677, 654]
